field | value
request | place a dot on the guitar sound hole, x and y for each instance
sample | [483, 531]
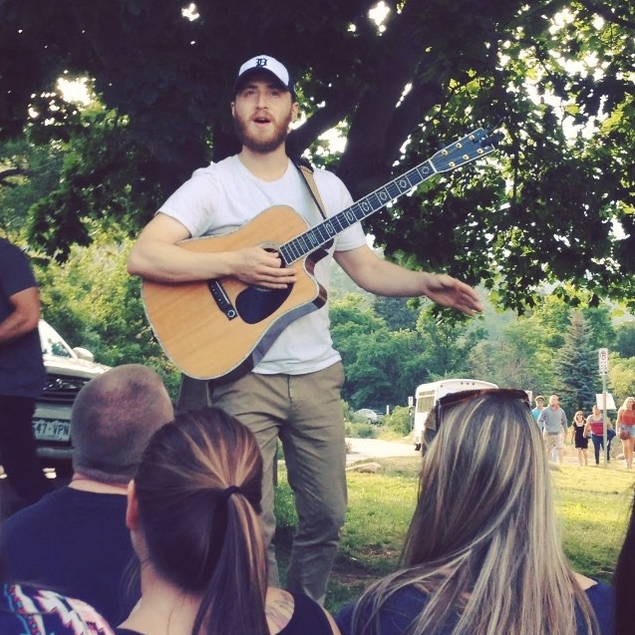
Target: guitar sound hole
[255, 304]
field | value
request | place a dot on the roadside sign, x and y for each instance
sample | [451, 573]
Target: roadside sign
[603, 361]
[610, 402]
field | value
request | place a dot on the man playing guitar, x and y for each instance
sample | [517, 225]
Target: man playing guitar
[293, 391]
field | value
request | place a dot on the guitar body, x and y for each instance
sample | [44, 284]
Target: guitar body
[199, 337]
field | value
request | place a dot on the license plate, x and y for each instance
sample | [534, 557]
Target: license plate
[51, 430]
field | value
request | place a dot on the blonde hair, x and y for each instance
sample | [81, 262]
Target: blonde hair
[483, 543]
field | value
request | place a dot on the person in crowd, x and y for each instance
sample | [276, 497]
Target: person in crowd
[204, 572]
[293, 391]
[75, 539]
[595, 429]
[22, 374]
[624, 580]
[483, 553]
[540, 406]
[579, 437]
[553, 421]
[625, 425]
[26, 610]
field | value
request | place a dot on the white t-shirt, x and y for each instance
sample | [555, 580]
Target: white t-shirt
[224, 196]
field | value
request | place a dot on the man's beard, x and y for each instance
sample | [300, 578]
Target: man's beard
[263, 146]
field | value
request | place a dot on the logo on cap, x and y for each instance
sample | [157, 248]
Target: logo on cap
[270, 65]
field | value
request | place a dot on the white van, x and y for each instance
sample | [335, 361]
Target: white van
[428, 394]
[67, 370]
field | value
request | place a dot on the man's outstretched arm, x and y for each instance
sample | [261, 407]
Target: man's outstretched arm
[381, 277]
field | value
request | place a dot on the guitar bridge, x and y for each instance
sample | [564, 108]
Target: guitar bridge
[222, 300]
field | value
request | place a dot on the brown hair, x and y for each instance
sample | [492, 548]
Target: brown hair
[113, 417]
[198, 490]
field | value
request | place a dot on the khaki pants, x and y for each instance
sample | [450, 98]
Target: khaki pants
[305, 413]
[554, 440]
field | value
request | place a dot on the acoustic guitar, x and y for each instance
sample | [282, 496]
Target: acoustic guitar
[221, 328]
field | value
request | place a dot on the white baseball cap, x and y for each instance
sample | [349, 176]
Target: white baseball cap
[270, 65]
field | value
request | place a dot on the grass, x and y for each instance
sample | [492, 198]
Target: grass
[592, 504]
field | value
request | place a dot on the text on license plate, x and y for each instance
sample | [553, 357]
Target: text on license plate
[51, 430]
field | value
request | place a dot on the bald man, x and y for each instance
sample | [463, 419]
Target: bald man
[75, 540]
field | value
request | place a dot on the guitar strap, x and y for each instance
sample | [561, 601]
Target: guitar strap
[306, 172]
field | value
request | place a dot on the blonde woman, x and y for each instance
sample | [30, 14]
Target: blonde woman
[193, 514]
[483, 554]
[626, 429]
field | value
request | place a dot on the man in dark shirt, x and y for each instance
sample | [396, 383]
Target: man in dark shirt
[21, 373]
[75, 540]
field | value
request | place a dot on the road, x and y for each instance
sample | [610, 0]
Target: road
[367, 449]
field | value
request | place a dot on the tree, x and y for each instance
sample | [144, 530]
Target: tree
[518, 358]
[557, 72]
[379, 363]
[384, 369]
[622, 377]
[383, 366]
[93, 302]
[398, 313]
[446, 344]
[602, 331]
[577, 365]
[626, 339]
[28, 172]
[553, 316]
[521, 352]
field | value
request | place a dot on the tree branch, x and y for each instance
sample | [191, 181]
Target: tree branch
[395, 63]
[9, 173]
[606, 13]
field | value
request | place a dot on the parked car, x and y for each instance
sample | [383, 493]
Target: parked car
[371, 416]
[67, 370]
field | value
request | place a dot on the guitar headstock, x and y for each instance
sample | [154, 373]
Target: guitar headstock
[472, 146]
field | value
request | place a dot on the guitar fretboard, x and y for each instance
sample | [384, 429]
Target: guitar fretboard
[475, 144]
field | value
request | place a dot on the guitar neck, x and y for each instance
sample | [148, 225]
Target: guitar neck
[475, 144]
[321, 234]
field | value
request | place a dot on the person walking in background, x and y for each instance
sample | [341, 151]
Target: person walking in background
[193, 513]
[625, 425]
[540, 404]
[554, 423]
[22, 374]
[579, 436]
[539, 407]
[293, 393]
[495, 565]
[595, 428]
[75, 540]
